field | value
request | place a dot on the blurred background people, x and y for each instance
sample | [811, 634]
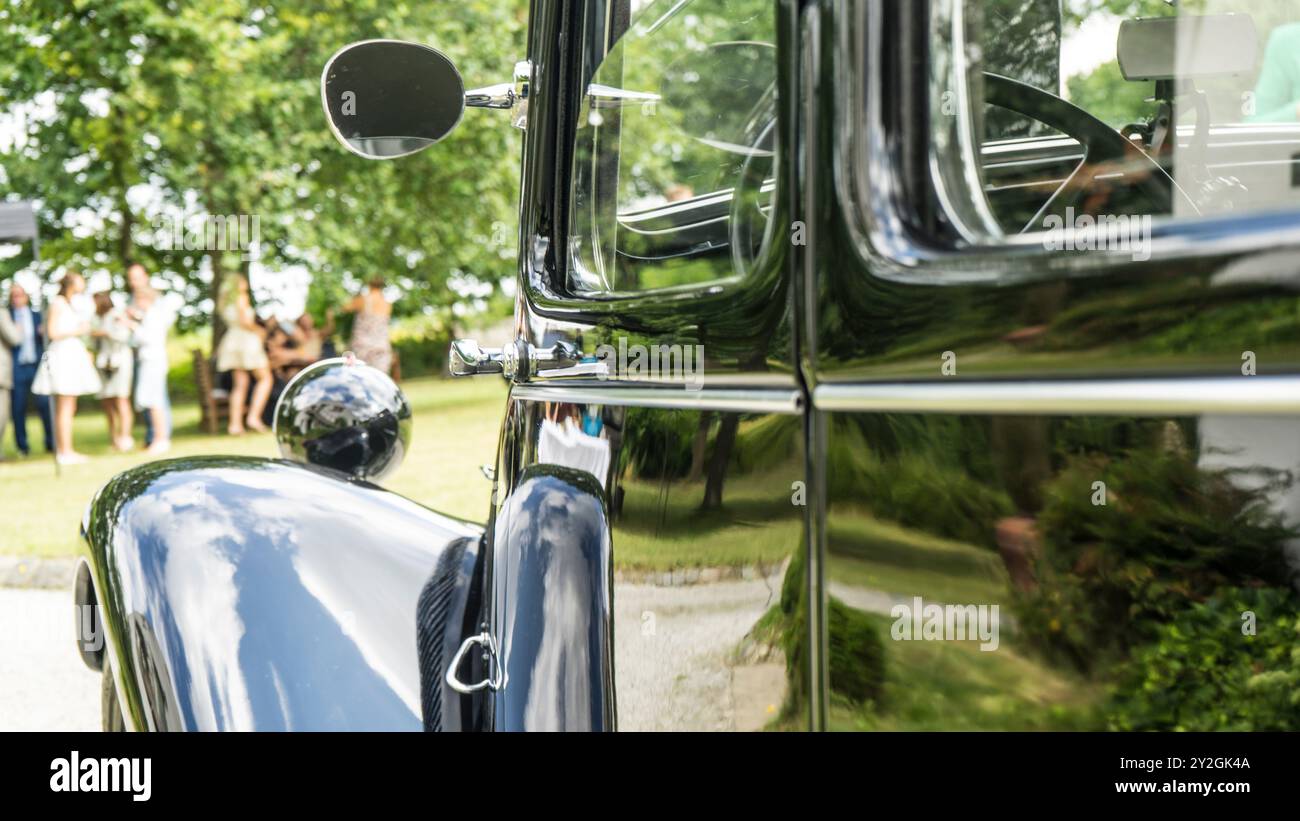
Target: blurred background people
[26, 357]
[370, 340]
[8, 340]
[67, 371]
[241, 353]
[115, 362]
[294, 347]
[316, 342]
[152, 320]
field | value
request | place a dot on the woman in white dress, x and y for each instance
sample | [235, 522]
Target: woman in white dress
[243, 351]
[67, 370]
[115, 362]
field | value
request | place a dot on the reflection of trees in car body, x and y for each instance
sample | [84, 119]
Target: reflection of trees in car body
[659, 151]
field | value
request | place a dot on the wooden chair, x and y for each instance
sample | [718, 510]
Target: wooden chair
[214, 403]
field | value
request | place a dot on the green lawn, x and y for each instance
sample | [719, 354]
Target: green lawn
[456, 427]
[662, 526]
[867, 552]
[952, 685]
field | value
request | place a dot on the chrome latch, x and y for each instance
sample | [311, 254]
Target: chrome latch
[522, 361]
[466, 358]
[496, 679]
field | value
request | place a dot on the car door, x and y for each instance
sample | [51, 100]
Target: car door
[647, 542]
[1059, 464]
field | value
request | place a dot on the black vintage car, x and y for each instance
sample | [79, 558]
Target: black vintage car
[913, 364]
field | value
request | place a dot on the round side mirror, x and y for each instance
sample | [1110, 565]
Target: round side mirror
[387, 98]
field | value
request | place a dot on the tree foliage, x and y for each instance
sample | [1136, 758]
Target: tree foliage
[130, 111]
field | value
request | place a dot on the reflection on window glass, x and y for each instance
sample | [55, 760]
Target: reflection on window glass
[1133, 107]
[673, 155]
[1063, 573]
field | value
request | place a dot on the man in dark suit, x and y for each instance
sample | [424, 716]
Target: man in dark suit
[27, 355]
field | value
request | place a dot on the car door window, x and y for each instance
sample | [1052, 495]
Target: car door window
[673, 154]
[1135, 108]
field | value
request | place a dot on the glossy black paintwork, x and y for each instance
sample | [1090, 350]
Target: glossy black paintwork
[1003, 510]
[895, 288]
[552, 600]
[683, 660]
[745, 328]
[257, 594]
[641, 583]
[880, 291]
[1123, 553]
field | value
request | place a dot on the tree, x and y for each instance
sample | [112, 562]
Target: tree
[140, 111]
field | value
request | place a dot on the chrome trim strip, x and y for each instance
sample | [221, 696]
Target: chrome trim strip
[1246, 395]
[742, 400]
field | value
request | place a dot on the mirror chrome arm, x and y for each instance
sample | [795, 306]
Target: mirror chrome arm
[512, 96]
[501, 95]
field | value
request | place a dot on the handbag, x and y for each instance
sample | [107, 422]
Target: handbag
[43, 384]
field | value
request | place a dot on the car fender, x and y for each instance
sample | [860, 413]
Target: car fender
[257, 594]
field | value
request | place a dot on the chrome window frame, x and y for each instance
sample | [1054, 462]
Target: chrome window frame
[547, 288]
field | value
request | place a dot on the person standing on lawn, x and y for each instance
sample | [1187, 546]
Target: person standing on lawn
[152, 320]
[66, 371]
[26, 357]
[242, 351]
[9, 339]
[370, 340]
[116, 364]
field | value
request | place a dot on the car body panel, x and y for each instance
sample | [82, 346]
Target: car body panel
[254, 594]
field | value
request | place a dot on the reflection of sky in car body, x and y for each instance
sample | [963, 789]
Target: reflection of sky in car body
[257, 583]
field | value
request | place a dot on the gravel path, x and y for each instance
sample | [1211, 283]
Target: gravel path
[43, 683]
[673, 656]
